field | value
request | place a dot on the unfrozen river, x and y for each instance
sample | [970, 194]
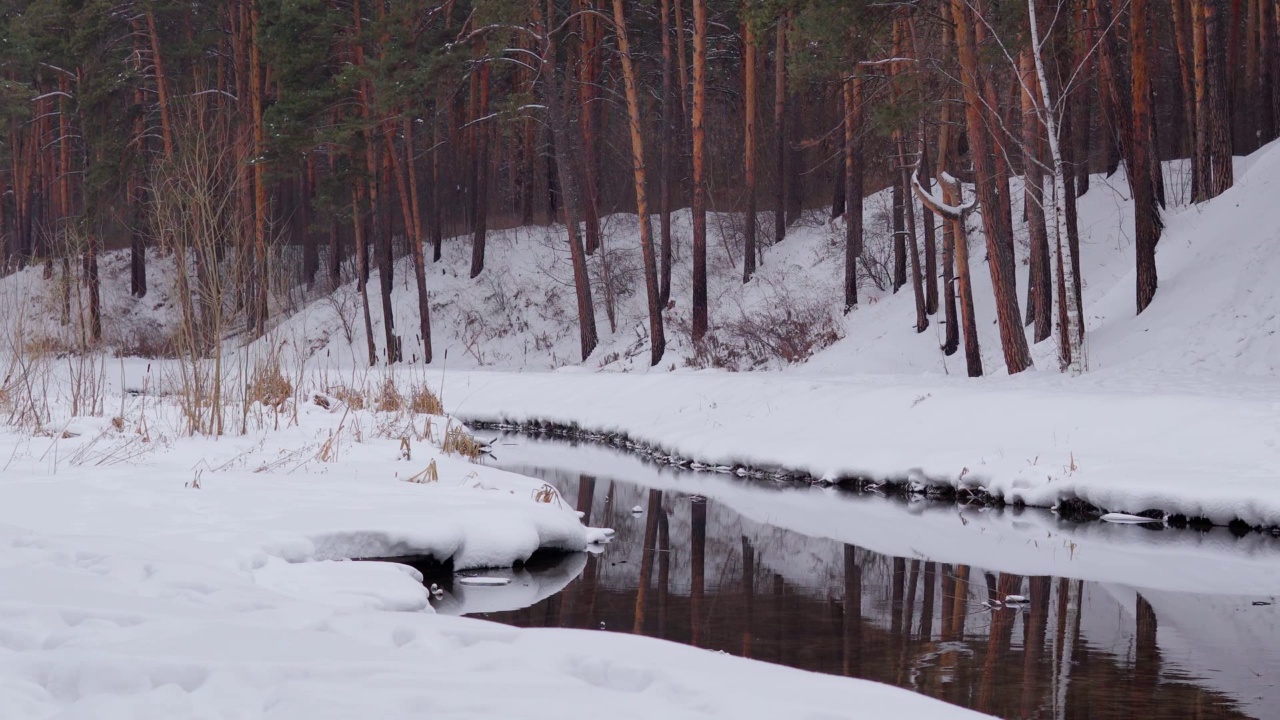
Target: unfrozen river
[1013, 613]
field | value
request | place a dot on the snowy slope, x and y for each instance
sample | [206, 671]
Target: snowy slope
[1217, 303]
[1212, 313]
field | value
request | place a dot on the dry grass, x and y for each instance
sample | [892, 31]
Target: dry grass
[429, 475]
[389, 399]
[25, 386]
[351, 397]
[268, 385]
[458, 442]
[546, 494]
[422, 401]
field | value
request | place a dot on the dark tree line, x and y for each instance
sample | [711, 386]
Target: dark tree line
[356, 132]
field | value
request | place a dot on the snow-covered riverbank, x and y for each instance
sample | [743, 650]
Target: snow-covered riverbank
[148, 574]
[1123, 443]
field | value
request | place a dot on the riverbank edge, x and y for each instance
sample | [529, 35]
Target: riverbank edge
[1068, 507]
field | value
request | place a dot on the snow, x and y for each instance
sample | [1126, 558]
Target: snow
[147, 573]
[151, 574]
[1124, 518]
[1021, 542]
[1028, 440]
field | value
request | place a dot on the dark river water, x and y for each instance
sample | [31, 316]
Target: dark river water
[1018, 615]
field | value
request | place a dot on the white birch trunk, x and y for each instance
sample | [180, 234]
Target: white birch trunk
[1056, 200]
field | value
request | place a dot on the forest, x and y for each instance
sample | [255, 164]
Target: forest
[275, 144]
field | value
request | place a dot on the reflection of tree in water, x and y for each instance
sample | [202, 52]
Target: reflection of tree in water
[904, 621]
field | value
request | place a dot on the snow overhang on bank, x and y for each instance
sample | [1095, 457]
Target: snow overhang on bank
[1100, 441]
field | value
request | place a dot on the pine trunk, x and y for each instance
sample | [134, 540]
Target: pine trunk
[256, 82]
[480, 172]
[780, 130]
[908, 206]
[699, 170]
[1039, 285]
[162, 88]
[310, 251]
[930, 235]
[1145, 207]
[564, 151]
[588, 78]
[1201, 165]
[1080, 101]
[1222, 175]
[437, 201]
[666, 142]
[999, 248]
[1115, 82]
[382, 244]
[1251, 90]
[1182, 43]
[407, 191]
[946, 157]
[899, 226]
[853, 198]
[749, 148]
[137, 206]
[657, 338]
[362, 271]
[415, 244]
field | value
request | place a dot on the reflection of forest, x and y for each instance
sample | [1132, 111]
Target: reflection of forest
[906, 622]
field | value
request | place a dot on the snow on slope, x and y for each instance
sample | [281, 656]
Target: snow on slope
[1216, 307]
[1212, 313]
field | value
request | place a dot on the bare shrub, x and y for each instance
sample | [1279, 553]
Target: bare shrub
[732, 230]
[343, 300]
[783, 333]
[784, 329]
[714, 353]
[877, 245]
[151, 341]
[87, 376]
[194, 210]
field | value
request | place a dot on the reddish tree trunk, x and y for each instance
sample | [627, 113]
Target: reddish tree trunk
[749, 148]
[564, 151]
[1145, 208]
[780, 130]
[853, 191]
[1039, 285]
[999, 248]
[699, 170]
[588, 80]
[667, 140]
[256, 82]
[480, 172]
[657, 338]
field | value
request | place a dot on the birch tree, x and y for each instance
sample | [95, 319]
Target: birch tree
[1071, 332]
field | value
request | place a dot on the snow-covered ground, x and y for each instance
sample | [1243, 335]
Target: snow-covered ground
[146, 573]
[131, 593]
